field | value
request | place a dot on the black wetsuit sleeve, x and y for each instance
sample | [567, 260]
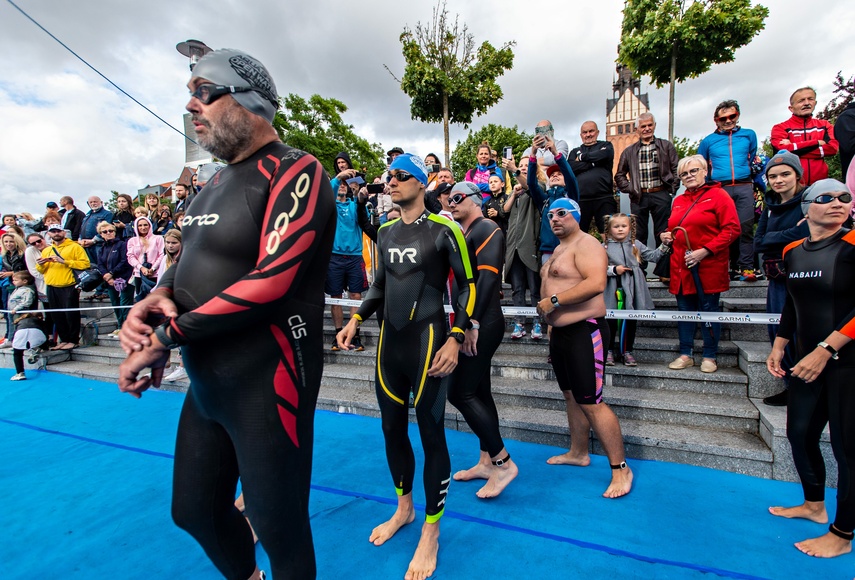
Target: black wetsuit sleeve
[298, 211]
[365, 222]
[489, 257]
[461, 266]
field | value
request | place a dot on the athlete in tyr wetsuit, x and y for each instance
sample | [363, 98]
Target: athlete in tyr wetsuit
[470, 383]
[248, 293]
[415, 355]
[819, 315]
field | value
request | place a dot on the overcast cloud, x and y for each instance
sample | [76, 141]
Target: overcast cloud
[67, 131]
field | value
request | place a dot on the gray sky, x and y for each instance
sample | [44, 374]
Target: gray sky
[66, 131]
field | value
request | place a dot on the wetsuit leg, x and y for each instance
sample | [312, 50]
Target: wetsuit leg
[470, 389]
[204, 481]
[807, 415]
[841, 406]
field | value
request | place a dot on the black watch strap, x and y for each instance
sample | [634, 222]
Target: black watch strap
[162, 334]
[458, 336]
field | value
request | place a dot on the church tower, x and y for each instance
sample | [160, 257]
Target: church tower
[623, 109]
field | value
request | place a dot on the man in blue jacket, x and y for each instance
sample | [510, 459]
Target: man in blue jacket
[729, 151]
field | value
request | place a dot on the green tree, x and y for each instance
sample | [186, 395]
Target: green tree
[844, 93]
[497, 136]
[674, 40]
[446, 78]
[685, 146]
[316, 126]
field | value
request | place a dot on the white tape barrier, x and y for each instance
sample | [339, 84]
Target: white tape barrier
[667, 315]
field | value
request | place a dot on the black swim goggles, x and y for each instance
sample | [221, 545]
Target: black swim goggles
[400, 176]
[828, 198]
[458, 198]
[207, 93]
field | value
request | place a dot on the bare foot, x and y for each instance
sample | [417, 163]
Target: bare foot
[810, 510]
[387, 529]
[621, 483]
[479, 471]
[568, 459]
[825, 546]
[499, 480]
[423, 563]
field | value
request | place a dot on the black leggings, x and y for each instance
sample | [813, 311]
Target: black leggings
[403, 358]
[248, 414]
[470, 387]
[630, 327]
[810, 406]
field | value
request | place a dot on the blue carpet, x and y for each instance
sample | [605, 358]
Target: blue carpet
[86, 475]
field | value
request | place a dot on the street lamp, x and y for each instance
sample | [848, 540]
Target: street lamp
[194, 50]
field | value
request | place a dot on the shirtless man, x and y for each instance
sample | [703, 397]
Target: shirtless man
[574, 279]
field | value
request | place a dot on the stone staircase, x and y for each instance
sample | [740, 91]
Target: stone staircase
[714, 420]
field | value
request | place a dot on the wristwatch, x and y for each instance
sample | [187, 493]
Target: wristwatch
[834, 354]
[458, 336]
[555, 301]
[163, 336]
[474, 325]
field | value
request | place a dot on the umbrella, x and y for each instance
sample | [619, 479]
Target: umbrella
[702, 297]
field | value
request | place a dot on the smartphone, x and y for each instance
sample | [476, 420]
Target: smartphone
[508, 152]
[542, 130]
[375, 188]
[434, 168]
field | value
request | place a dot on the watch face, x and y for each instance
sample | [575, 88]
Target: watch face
[555, 300]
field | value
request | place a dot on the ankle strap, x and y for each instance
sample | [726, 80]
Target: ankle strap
[842, 535]
[501, 462]
[621, 465]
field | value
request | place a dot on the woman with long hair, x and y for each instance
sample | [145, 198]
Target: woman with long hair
[145, 254]
[152, 204]
[172, 253]
[123, 217]
[485, 167]
[164, 220]
[12, 248]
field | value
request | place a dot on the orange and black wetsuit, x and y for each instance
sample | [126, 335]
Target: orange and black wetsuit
[249, 291]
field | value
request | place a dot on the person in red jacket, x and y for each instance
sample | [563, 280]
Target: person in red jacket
[710, 224]
[811, 139]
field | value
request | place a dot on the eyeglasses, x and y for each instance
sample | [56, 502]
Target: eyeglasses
[558, 213]
[399, 176]
[693, 172]
[731, 117]
[828, 198]
[207, 93]
[458, 198]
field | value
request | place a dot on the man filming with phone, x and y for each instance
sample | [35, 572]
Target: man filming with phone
[543, 153]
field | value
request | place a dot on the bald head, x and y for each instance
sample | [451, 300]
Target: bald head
[589, 133]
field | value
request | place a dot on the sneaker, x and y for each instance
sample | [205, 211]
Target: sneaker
[356, 344]
[536, 333]
[748, 276]
[735, 276]
[19, 377]
[335, 344]
[610, 359]
[629, 360]
[518, 332]
[760, 275]
[779, 400]
[178, 374]
[6, 344]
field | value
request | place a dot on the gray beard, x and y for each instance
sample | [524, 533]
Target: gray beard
[230, 137]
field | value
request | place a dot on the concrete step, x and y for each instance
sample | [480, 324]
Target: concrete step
[107, 372]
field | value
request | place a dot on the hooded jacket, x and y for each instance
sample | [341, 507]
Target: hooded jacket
[335, 180]
[548, 240]
[779, 226]
[137, 254]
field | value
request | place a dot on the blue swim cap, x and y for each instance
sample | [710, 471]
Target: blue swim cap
[412, 164]
[569, 204]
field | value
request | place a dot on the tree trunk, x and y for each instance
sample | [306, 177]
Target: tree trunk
[445, 127]
[671, 93]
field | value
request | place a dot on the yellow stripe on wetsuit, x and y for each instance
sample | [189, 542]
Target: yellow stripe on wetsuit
[427, 364]
[380, 368]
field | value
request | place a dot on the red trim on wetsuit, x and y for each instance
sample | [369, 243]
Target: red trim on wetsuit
[284, 386]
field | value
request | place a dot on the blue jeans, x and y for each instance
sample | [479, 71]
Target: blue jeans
[123, 298]
[686, 330]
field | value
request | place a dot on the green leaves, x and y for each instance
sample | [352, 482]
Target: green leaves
[497, 136]
[317, 127]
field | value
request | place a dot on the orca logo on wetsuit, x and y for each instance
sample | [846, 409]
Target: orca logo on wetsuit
[207, 219]
[401, 253]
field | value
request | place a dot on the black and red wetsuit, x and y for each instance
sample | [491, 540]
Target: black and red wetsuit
[249, 291]
[413, 262]
[470, 388]
[820, 299]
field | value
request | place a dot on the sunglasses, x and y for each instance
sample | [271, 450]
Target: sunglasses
[207, 93]
[828, 198]
[398, 176]
[108, 231]
[691, 172]
[37, 243]
[731, 117]
[558, 213]
[458, 198]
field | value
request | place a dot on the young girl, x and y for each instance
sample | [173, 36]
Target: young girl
[626, 277]
[494, 207]
[28, 326]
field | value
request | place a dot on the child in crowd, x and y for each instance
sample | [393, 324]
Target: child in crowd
[494, 206]
[626, 277]
[28, 326]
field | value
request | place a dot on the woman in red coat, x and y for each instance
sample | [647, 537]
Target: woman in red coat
[708, 215]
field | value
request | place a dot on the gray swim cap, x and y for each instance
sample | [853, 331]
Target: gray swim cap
[469, 189]
[820, 187]
[234, 68]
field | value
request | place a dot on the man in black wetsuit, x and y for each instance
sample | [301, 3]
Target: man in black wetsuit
[819, 316]
[415, 351]
[246, 306]
[470, 384]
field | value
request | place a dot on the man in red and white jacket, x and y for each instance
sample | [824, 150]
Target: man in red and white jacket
[811, 139]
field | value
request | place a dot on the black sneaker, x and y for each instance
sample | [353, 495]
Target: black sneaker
[779, 400]
[335, 344]
[356, 344]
